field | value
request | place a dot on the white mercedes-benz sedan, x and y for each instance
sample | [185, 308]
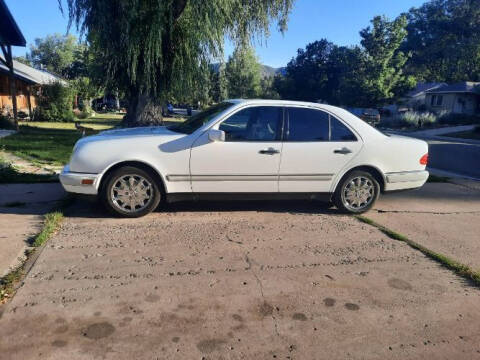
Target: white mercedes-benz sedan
[247, 149]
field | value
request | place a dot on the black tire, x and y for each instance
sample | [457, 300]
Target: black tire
[340, 197]
[115, 206]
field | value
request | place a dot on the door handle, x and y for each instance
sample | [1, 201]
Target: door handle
[343, 151]
[269, 151]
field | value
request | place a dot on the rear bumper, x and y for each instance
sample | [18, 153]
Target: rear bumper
[405, 180]
[72, 182]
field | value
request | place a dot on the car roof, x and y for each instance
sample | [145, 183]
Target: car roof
[284, 103]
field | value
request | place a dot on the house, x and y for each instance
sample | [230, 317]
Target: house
[19, 83]
[10, 35]
[28, 83]
[459, 98]
[416, 98]
[412, 100]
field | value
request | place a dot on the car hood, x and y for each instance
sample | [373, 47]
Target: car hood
[138, 131]
[161, 134]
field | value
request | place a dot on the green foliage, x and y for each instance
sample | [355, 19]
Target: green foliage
[219, 83]
[55, 103]
[267, 90]
[51, 224]
[444, 39]
[243, 73]
[417, 119]
[23, 60]
[384, 77]
[6, 123]
[366, 76]
[149, 45]
[60, 54]
[86, 91]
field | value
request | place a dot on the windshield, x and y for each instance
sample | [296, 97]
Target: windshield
[197, 121]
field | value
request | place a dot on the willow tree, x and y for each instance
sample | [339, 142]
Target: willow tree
[147, 45]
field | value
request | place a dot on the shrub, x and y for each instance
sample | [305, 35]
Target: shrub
[416, 119]
[83, 114]
[6, 123]
[55, 103]
[458, 119]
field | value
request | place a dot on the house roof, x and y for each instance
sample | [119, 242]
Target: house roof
[31, 75]
[422, 88]
[461, 87]
[10, 33]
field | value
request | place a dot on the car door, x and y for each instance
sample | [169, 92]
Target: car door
[317, 146]
[247, 161]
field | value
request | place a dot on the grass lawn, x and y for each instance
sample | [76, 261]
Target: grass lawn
[472, 134]
[52, 142]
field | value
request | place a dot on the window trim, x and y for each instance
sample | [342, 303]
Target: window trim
[286, 118]
[278, 132]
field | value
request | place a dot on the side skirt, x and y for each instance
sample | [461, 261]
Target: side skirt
[176, 197]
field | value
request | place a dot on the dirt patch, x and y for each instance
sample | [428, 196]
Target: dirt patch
[98, 330]
[399, 284]
[210, 345]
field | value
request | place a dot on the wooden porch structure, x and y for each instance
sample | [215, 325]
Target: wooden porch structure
[10, 35]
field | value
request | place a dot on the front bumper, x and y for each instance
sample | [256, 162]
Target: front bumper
[405, 180]
[79, 183]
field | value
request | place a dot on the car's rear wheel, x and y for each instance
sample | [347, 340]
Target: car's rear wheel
[356, 193]
[131, 192]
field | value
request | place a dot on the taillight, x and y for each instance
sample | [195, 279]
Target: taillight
[424, 159]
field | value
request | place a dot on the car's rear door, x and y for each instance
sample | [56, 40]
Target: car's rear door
[247, 161]
[317, 146]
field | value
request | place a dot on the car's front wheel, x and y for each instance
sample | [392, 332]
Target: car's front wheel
[356, 193]
[131, 192]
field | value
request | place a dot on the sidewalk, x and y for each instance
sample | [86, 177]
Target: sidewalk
[21, 210]
[444, 130]
[4, 133]
[444, 217]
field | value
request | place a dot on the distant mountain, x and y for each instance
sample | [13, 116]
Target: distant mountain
[267, 71]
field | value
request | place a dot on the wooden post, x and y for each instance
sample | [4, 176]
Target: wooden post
[29, 103]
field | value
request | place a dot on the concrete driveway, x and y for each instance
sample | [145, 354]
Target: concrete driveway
[287, 280]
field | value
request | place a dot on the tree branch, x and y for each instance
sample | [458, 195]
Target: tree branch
[178, 8]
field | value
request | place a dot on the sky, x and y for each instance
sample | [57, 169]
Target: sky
[339, 21]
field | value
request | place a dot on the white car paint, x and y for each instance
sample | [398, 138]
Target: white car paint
[194, 164]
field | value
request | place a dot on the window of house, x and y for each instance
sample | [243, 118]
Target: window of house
[433, 100]
[439, 100]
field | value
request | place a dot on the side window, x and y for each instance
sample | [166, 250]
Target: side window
[307, 125]
[339, 132]
[253, 124]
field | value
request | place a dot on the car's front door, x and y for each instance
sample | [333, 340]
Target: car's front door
[247, 161]
[316, 147]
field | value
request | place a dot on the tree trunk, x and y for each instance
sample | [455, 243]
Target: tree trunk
[143, 110]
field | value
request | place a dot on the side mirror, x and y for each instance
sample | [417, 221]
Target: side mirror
[216, 135]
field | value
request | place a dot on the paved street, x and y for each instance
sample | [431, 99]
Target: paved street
[461, 156]
[249, 281]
